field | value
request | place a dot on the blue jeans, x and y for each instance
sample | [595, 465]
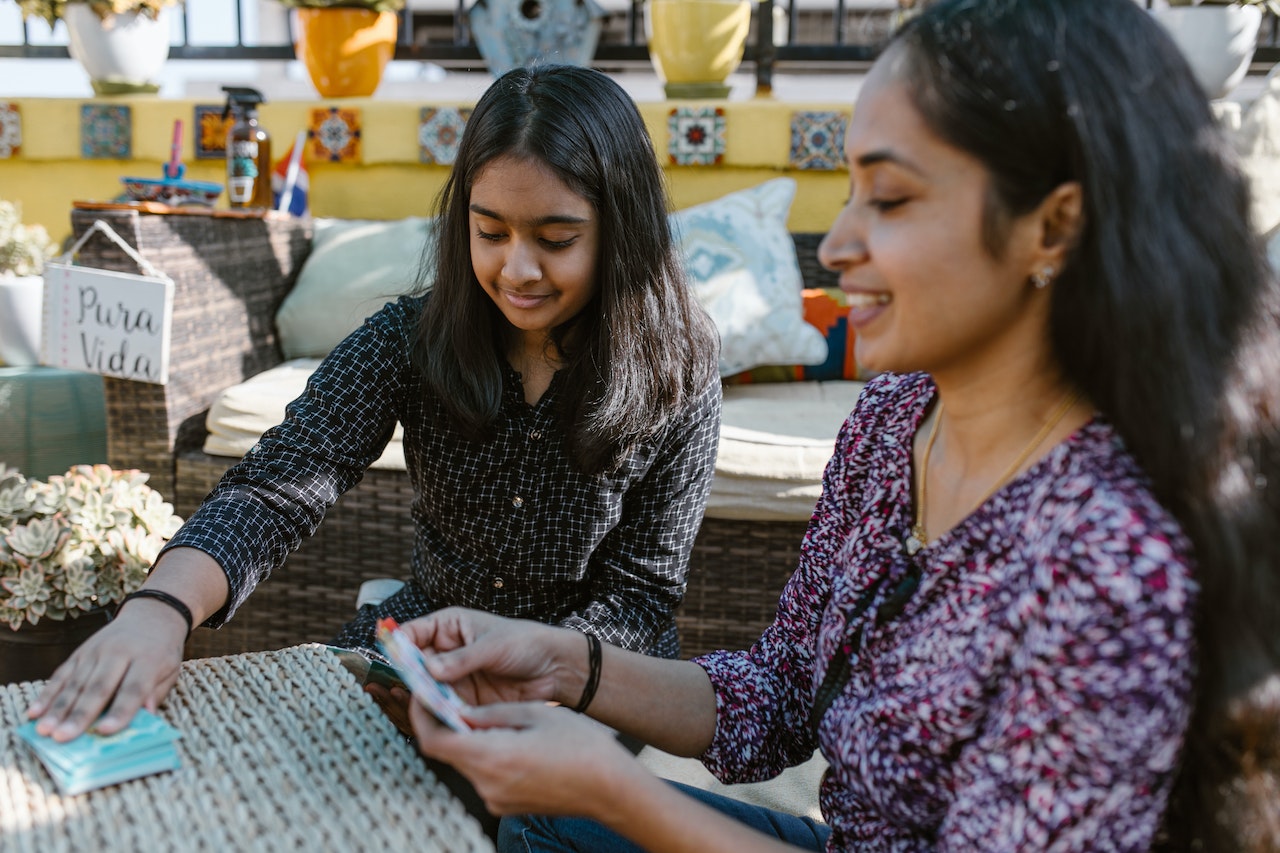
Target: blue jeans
[531, 834]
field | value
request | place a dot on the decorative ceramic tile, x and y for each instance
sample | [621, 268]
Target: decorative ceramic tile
[106, 132]
[697, 136]
[439, 132]
[334, 135]
[817, 140]
[211, 132]
[10, 131]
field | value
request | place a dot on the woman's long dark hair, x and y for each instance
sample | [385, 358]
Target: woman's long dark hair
[1166, 314]
[642, 349]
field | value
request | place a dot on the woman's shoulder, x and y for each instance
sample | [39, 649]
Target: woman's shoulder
[1095, 508]
[1095, 469]
[890, 406]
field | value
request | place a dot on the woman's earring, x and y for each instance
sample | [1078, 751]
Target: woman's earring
[1041, 279]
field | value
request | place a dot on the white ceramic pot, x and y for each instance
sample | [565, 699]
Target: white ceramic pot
[1218, 42]
[21, 315]
[122, 54]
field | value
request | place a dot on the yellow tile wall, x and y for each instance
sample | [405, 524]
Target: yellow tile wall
[49, 174]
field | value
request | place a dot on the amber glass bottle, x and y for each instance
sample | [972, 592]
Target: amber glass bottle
[248, 151]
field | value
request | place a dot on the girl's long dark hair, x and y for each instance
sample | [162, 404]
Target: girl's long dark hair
[1167, 315]
[643, 348]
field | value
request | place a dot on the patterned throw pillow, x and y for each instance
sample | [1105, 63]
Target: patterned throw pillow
[827, 310]
[741, 263]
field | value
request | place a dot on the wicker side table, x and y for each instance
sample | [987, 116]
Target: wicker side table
[226, 264]
[280, 751]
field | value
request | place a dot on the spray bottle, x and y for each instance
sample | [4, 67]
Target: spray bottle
[248, 150]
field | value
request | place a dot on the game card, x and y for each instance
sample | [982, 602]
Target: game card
[412, 665]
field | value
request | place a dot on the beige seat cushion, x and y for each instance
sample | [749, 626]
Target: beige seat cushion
[775, 438]
[242, 413]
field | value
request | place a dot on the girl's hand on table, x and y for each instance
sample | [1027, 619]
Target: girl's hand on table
[131, 662]
[532, 758]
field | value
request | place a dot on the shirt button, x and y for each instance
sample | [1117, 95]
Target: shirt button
[535, 435]
[517, 502]
[497, 583]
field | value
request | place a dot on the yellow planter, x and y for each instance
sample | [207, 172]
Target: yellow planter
[696, 44]
[345, 50]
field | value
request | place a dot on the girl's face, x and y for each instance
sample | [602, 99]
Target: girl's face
[534, 243]
[926, 293]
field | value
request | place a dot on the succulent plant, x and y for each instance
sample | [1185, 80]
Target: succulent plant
[76, 542]
[23, 248]
[51, 10]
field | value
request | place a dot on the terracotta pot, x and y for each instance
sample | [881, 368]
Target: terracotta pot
[696, 44]
[123, 54]
[345, 50]
[33, 652]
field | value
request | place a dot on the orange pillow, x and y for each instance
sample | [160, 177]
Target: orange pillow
[827, 310]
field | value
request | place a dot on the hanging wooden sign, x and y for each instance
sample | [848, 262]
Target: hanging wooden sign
[112, 323]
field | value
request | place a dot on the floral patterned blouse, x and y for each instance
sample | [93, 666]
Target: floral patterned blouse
[1034, 692]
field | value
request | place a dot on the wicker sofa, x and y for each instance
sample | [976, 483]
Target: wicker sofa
[231, 274]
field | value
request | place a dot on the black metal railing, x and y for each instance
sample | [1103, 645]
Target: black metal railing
[854, 34]
[846, 34]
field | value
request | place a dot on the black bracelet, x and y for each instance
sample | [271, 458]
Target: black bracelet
[160, 595]
[593, 673]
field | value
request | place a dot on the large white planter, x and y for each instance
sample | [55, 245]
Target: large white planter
[21, 312]
[123, 54]
[1218, 42]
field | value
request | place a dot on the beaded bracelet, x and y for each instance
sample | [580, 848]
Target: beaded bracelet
[160, 595]
[593, 673]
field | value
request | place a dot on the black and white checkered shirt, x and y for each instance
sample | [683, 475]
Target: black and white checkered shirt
[508, 525]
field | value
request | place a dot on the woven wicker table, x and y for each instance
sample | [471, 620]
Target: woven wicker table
[280, 751]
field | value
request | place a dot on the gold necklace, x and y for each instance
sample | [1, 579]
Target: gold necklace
[918, 537]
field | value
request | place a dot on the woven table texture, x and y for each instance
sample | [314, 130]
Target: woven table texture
[280, 751]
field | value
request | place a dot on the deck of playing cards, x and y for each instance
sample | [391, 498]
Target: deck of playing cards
[146, 746]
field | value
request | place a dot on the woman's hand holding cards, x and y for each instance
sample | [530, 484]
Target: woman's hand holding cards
[488, 659]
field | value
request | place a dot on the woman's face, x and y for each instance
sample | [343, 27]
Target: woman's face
[926, 293]
[534, 244]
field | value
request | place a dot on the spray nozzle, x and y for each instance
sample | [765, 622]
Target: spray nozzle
[241, 96]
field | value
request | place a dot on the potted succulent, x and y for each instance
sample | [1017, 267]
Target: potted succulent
[1218, 37]
[122, 44]
[23, 252]
[71, 547]
[345, 44]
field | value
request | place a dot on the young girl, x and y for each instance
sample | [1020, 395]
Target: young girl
[560, 401]
[1036, 606]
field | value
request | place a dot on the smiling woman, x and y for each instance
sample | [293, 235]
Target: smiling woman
[1035, 605]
